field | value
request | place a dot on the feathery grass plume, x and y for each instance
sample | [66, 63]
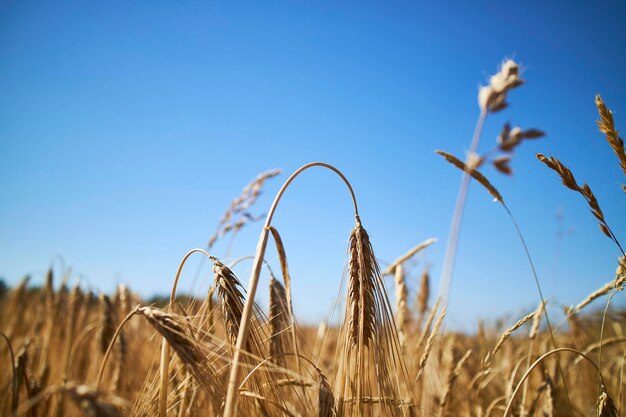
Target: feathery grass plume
[474, 173]
[370, 374]
[509, 139]
[402, 308]
[239, 207]
[452, 377]
[504, 337]
[607, 126]
[568, 180]
[95, 403]
[278, 319]
[422, 297]
[429, 344]
[107, 327]
[492, 97]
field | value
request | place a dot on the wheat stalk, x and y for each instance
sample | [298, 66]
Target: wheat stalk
[606, 125]
[568, 180]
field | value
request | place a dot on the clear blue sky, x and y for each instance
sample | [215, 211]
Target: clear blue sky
[126, 128]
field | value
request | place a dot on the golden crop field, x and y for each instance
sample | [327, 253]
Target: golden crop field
[70, 352]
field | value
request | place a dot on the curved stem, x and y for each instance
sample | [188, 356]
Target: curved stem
[165, 347]
[112, 342]
[606, 310]
[267, 360]
[67, 371]
[541, 358]
[33, 401]
[532, 266]
[230, 403]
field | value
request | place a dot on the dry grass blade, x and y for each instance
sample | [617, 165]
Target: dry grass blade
[429, 344]
[402, 308]
[607, 126]
[408, 255]
[426, 329]
[482, 180]
[422, 296]
[507, 333]
[620, 279]
[239, 206]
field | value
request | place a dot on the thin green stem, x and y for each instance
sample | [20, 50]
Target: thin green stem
[532, 267]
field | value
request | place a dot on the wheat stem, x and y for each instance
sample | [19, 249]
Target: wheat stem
[231, 401]
[457, 219]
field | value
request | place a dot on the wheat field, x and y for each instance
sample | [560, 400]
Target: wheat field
[70, 352]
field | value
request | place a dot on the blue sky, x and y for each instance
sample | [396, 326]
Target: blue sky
[126, 129]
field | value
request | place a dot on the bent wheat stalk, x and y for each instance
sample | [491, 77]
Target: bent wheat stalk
[231, 400]
[541, 359]
[165, 348]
